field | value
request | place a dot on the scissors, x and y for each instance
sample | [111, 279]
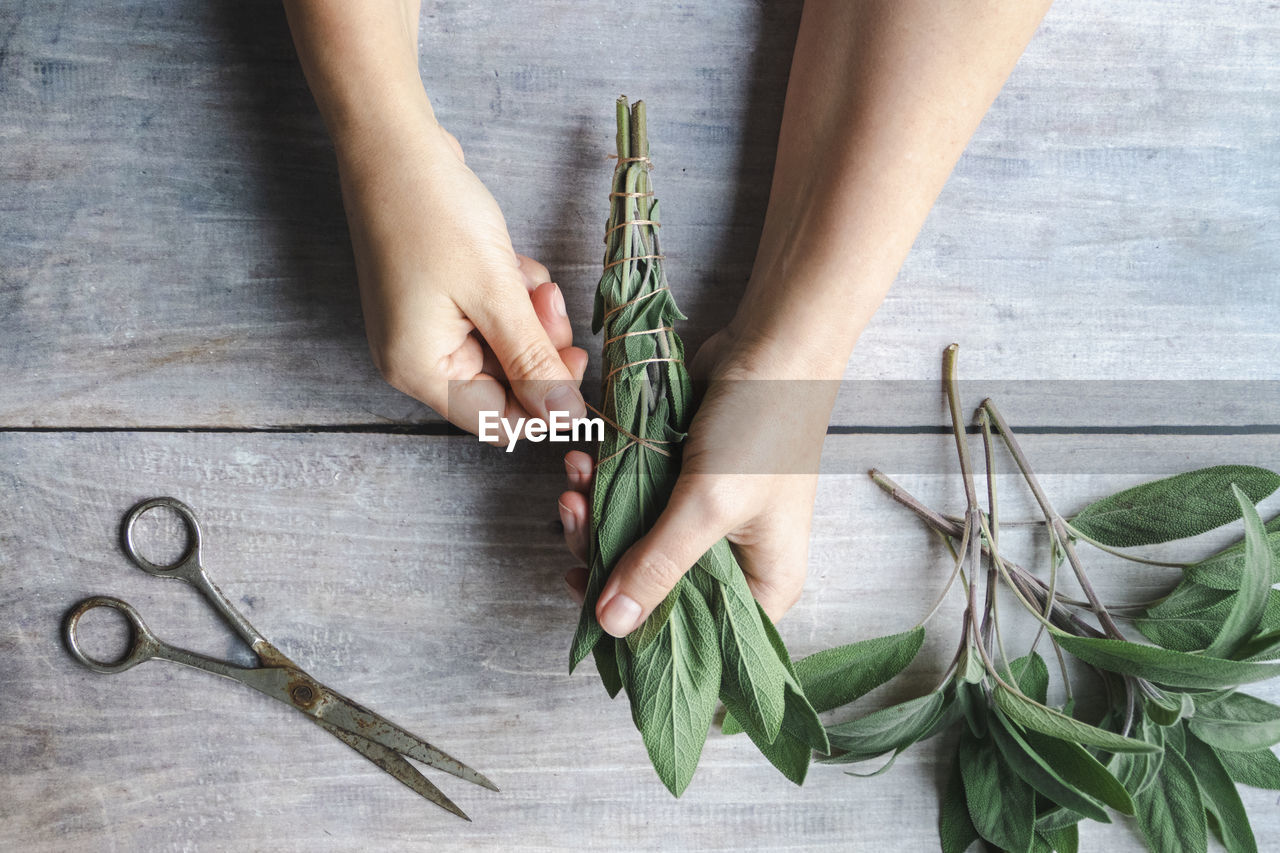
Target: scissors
[380, 741]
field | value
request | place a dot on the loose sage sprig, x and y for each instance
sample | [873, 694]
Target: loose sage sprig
[709, 639]
[1174, 736]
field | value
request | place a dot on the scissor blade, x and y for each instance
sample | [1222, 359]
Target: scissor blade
[345, 714]
[390, 761]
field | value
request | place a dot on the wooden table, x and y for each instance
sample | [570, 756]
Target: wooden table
[178, 316]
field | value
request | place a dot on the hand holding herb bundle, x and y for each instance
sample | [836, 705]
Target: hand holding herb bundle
[708, 639]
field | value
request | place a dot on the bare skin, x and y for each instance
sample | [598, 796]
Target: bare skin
[883, 97]
[453, 315]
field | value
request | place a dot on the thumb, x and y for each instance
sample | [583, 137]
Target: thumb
[655, 563]
[541, 381]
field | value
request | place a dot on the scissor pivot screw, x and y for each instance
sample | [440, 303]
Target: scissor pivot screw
[302, 694]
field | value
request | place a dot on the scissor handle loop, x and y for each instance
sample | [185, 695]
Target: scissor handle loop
[190, 556]
[143, 644]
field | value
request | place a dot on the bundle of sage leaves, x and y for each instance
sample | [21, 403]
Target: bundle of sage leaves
[1174, 735]
[708, 640]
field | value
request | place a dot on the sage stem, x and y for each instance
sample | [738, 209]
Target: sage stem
[1133, 558]
[1057, 526]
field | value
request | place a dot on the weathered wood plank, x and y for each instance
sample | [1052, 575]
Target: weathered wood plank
[175, 251]
[422, 577]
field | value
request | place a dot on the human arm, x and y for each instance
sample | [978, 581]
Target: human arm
[453, 315]
[883, 97]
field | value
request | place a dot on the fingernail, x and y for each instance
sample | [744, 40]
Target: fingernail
[567, 518]
[572, 471]
[621, 615]
[557, 302]
[564, 398]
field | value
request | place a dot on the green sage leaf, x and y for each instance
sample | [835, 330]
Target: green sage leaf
[1224, 569]
[1170, 812]
[955, 827]
[802, 721]
[948, 716]
[1057, 818]
[1237, 722]
[798, 736]
[1175, 737]
[588, 632]
[1263, 647]
[973, 704]
[1220, 798]
[1191, 617]
[838, 676]
[1037, 772]
[651, 628]
[1163, 666]
[1032, 676]
[1175, 507]
[1259, 769]
[790, 754]
[1188, 597]
[970, 667]
[1136, 771]
[752, 669]
[1077, 767]
[1063, 840]
[673, 684]
[799, 718]
[606, 655]
[1169, 708]
[1047, 721]
[888, 728]
[1255, 584]
[1001, 804]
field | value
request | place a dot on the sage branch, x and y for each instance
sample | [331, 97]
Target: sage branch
[1174, 736]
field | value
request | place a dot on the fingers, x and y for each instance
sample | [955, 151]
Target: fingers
[534, 273]
[482, 393]
[573, 515]
[548, 303]
[575, 358]
[573, 503]
[652, 566]
[579, 468]
[776, 575]
[509, 323]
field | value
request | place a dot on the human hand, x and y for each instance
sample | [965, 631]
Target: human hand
[748, 472]
[454, 316]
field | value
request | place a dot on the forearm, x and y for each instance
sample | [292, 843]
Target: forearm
[883, 97]
[361, 62]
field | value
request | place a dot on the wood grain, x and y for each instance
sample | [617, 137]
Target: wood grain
[175, 252]
[422, 576]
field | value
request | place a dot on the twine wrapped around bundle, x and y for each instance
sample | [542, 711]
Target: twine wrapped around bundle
[708, 639]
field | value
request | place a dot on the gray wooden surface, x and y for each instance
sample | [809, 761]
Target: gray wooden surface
[175, 250]
[385, 566]
[178, 315]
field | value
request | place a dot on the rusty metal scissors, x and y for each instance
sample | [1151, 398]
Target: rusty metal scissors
[382, 742]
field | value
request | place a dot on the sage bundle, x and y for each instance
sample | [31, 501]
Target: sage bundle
[1173, 736]
[708, 640]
